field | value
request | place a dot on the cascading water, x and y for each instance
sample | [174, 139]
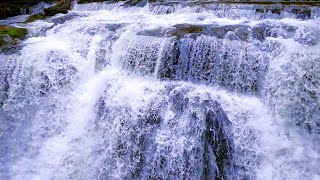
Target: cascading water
[164, 91]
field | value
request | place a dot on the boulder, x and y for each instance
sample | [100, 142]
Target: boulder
[11, 35]
[62, 7]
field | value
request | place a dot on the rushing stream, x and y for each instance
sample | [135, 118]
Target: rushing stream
[163, 91]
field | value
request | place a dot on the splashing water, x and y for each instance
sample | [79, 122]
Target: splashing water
[163, 92]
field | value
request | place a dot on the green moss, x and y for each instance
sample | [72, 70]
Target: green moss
[35, 17]
[14, 33]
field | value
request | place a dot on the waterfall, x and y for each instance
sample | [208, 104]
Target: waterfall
[163, 91]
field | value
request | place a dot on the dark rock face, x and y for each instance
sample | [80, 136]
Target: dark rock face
[9, 10]
[51, 11]
[15, 7]
[232, 32]
[183, 29]
[216, 146]
[62, 7]
[301, 12]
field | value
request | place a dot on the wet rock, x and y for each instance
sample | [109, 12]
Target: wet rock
[11, 35]
[7, 38]
[269, 9]
[219, 32]
[216, 143]
[183, 29]
[9, 10]
[242, 33]
[35, 17]
[158, 32]
[232, 32]
[61, 7]
[55, 10]
[18, 7]
[64, 4]
[259, 33]
[276, 11]
[303, 13]
[5, 90]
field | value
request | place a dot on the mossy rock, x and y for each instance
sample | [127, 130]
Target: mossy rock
[36, 17]
[51, 11]
[13, 33]
[61, 7]
[65, 4]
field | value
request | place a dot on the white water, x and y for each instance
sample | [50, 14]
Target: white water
[86, 98]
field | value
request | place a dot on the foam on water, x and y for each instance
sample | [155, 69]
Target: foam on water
[86, 98]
